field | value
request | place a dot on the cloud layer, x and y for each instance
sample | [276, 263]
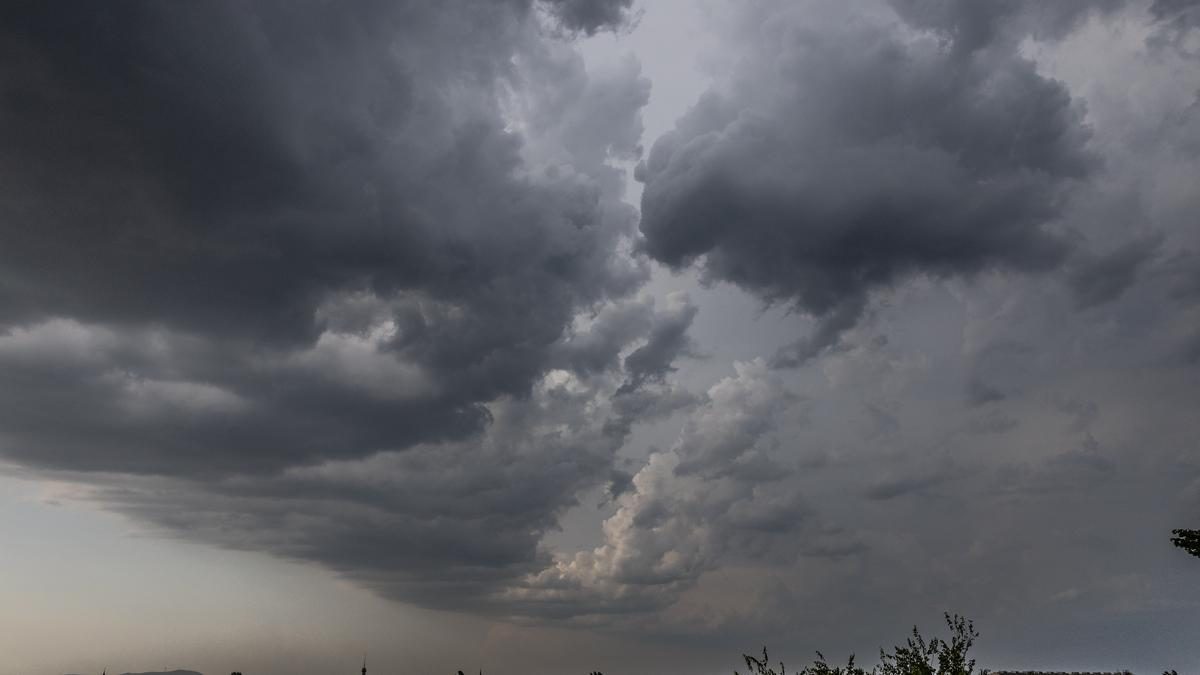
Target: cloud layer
[846, 151]
[377, 238]
[360, 288]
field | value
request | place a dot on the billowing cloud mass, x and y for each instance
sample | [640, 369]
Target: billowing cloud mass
[989, 238]
[591, 15]
[359, 285]
[716, 493]
[841, 155]
[377, 234]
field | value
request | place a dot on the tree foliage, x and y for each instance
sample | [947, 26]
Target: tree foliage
[1188, 540]
[916, 657]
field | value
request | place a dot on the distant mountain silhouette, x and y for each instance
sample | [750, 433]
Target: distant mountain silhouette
[160, 672]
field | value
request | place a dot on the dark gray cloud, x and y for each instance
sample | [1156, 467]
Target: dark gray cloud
[667, 341]
[333, 188]
[335, 282]
[1097, 280]
[843, 156]
[454, 524]
[973, 26]
[591, 15]
[1175, 20]
[892, 488]
[998, 370]
[444, 525]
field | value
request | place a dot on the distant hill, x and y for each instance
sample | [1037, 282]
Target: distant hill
[160, 672]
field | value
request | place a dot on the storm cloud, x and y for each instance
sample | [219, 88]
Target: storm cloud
[591, 15]
[847, 151]
[253, 249]
[908, 320]
[321, 230]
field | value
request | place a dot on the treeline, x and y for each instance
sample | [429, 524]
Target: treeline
[917, 656]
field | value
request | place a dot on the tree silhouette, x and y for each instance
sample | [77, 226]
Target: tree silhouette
[1188, 540]
[917, 657]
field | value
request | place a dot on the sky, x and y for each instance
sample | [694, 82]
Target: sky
[550, 336]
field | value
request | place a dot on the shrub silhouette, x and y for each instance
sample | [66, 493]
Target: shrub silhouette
[1188, 540]
[916, 657]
